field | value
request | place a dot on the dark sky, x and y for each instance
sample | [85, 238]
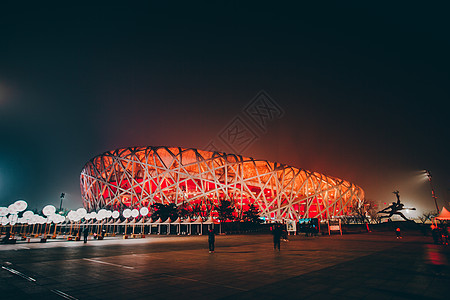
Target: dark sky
[364, 89]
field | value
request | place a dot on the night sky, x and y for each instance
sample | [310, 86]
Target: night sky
[363, 90]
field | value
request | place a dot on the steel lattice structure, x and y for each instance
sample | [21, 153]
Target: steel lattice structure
[141, 176]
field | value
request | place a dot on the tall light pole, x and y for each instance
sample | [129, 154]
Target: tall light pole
[62, 198]
[433, 194]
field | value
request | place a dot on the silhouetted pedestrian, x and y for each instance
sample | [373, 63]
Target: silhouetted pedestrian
[5, 239]
[435, 233]
[86, 233]
[398, 233]
[276, 231]
[211, 239]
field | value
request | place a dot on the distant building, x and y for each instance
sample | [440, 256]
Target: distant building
[140, 176]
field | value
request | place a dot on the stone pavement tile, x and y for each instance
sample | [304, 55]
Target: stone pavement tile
[358, 292]
[404, 294]
[342, 263]
[374, 282]
[337, 290]
[17, 288]
[439, 287]
[375, 295]
[325, 295]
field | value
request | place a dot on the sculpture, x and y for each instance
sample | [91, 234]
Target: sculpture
[394, 208]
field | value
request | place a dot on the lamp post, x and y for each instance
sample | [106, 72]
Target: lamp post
[134, 214]
[115, 214]
[62, 198]
[126, 214]
[144, 212]
[433, 194]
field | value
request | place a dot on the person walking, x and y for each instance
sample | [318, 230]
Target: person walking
[86, 233]
[398, 233]
[276, 231]
[211, 239]
[6, 238]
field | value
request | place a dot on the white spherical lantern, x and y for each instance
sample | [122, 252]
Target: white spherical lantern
[13, 219]
[51, 218]
[126, 213]
[49, 210]
[5, 221]
[59, 219]
[101, 213]
[4, 211]
[28, 215]
[100, 216]
[115, 214]
[72, 215]
[12, 208]
[144, 211]
[81, 212]
[134, 213]
[20, 205]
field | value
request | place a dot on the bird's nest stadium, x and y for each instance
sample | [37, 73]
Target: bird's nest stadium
[141, 176]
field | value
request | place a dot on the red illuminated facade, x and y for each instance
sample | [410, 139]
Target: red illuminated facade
[140, 176]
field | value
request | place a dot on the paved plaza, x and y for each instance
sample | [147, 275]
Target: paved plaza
[353, 266]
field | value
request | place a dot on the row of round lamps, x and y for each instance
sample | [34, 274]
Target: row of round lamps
[9, 215]
[77, 215]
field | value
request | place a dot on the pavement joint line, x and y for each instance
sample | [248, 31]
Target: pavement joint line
[58, 292]
[107, 263]
[19, 274]
[64, 295]
[206, 282]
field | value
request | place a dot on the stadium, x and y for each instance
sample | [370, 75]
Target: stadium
[138, 177]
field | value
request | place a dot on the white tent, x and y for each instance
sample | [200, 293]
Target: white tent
[149, 221]
[168, 221]
[188, 220]
[178, 222]
[124, 222]
[158, 222]
[211, 221]
[199, 222]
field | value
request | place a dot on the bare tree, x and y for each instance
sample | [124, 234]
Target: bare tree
[427, 216]
[365, 212]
